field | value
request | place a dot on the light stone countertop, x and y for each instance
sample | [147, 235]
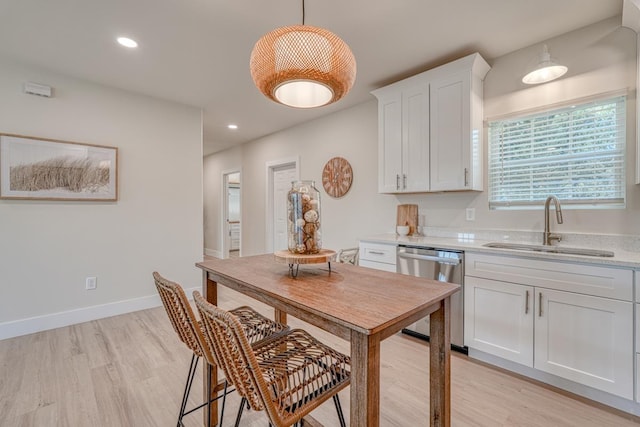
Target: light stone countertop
[626, 249]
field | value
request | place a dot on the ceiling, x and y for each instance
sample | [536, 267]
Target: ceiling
[196, 52]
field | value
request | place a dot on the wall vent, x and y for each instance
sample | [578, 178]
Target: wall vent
[37, 89]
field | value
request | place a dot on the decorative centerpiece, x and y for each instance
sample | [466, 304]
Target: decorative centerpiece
[303, 209]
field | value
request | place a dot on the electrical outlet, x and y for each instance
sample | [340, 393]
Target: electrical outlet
[471, 214]
[91, 283]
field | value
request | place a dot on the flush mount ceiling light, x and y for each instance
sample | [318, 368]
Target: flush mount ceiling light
[127, 42]
[545, 71]
[302, 66]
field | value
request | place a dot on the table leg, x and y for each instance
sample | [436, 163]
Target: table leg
[365, 380]
[210, 291]
[280, 316]
[440, 366]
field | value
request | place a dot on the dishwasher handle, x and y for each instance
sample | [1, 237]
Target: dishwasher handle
[441, 260]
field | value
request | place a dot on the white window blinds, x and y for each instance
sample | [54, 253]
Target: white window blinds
[576, 153]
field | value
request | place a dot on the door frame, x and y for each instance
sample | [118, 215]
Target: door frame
[225, 242]
[271, 166]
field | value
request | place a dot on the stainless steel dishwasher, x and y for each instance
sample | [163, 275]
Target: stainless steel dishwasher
[445, 266]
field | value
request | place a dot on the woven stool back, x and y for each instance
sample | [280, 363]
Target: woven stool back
[288, 376]
[180, 312]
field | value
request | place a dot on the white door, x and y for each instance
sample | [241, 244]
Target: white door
[450, 117]
[585, 339]
[498, 319]
[233, 217]
[231, 213]
[390, 143]
[415, 139]
[282, 178]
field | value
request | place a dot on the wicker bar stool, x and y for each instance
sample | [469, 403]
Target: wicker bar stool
[287, 377]
[256, 326]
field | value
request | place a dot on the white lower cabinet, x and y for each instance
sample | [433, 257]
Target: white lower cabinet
[498, 320]
[379, 256]
[582, 338]
[585, 339]
[637, 344]
[638, 377]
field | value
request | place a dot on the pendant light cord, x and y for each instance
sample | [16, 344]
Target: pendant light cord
[302, 12]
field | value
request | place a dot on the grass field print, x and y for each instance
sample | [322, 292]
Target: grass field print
[46, 169]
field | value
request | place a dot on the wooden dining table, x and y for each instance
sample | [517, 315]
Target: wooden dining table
[361, 305]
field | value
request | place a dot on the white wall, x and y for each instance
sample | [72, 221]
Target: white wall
[352, 134]
[48, 248]
[214, 168]
[601, 58]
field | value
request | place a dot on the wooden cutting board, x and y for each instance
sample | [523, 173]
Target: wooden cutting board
[408, 215]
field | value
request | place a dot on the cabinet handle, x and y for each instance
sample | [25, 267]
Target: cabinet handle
[526, 304]
[404, 181]
[466, 177]
[376, 253]
[540, 304]
[397, 181]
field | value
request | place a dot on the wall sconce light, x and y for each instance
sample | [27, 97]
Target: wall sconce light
[545, 71]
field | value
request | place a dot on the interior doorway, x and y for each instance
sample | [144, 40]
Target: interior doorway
[231, 224]
[279, 177]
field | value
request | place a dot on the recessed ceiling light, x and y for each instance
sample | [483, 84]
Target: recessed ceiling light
[127, 42]
[232, 126]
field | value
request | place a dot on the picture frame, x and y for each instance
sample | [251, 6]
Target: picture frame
[33, 168]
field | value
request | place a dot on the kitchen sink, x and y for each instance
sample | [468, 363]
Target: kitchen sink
[549, 249]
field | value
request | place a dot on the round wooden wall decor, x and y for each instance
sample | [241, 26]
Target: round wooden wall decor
[337, 177]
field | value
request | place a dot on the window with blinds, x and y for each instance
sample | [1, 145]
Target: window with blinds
[576, 153]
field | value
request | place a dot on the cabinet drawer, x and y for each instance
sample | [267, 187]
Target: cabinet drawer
[378, 252]
[586, 279]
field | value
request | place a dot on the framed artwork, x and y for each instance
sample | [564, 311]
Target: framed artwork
[48, 169]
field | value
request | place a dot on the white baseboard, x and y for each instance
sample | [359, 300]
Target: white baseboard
[626, 405]
[213, 253]
[16, 328]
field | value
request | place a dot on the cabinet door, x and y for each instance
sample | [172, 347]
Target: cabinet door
[585, 339]
[415, 139]
[390, 143]
[498, 319]
[450, 143]
[638, 377]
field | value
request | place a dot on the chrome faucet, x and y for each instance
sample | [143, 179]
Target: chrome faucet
[548, 236]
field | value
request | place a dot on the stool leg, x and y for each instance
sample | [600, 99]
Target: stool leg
[224, 399]
[208, 395]
[336, 400]
[187, 387]
[242, 403]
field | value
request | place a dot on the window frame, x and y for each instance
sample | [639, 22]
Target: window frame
[617, 155]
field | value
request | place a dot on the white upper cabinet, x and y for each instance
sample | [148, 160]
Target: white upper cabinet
[430, 129]
[403, 150]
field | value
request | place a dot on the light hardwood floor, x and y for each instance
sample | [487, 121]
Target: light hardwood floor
[129, 371]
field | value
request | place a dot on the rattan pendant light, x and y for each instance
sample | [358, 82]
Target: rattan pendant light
[302, 66]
